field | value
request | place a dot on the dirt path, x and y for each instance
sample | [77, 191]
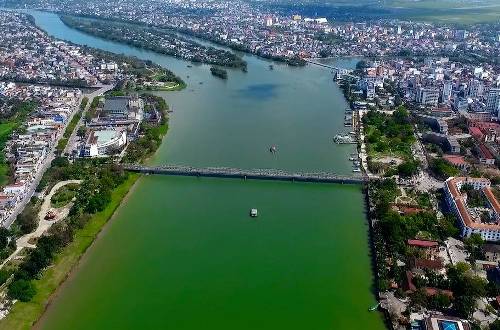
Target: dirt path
[43, 225]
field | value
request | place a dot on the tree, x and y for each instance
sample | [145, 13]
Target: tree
[28, 219]
[440, 301]
[442, 169]
[81, 131]
[22, 290]
[473, 244]
[495, 325]
[408, 168]
[4, 237]
[465, 305]
[419, 298]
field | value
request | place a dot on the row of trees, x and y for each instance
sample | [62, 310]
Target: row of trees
[94, 194]
[155, 39]
[151, 133]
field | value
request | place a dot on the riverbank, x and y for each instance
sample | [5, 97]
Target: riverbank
[294, 62]
[155, 39]
[24, 315]
[184, 221]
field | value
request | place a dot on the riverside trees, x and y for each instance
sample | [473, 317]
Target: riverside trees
[99, 177]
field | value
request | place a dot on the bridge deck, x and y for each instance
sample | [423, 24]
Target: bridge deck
[258, 174]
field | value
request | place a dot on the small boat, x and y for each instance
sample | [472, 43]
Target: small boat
[374, 308]
[254, 213]
[201, 82]
[189, 66]
[357, 169]
[273, 149]
[344, 139]
[271, 67]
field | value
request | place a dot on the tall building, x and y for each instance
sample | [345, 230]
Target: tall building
[493, 101]
[427, 96]
[400, 30]
[446, 92]
[460, 104]
[461, 34]
[476, 88]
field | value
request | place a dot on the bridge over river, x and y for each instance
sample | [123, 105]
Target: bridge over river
[256, 174]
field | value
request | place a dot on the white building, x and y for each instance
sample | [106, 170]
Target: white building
[470, 222]
[104, 142]
[447, 89]
[427, 96]
[15, 189]
[476, 88]
[493, 101]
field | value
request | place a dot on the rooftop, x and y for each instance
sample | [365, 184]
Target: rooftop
[116, 103]
[422, 243]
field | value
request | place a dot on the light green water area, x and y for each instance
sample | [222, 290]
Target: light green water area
[183, 253]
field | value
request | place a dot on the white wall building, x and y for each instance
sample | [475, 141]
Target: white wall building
[104, 142]
[469, 222]
[427, 96]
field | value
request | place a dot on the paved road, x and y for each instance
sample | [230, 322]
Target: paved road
[43, 225]
[46, 163]
[72, 141]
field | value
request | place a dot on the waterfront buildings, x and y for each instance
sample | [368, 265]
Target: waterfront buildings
[122, 108]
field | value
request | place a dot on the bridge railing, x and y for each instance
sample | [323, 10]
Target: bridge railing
[278, 173]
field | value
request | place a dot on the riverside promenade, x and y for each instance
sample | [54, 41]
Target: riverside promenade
[255, 174]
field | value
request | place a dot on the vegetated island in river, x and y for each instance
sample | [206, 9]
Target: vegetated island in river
[218, 72]
[33, 280]
[163, 41]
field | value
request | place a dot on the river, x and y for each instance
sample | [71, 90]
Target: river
[182, 253]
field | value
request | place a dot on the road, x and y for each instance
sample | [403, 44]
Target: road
[362, 154]
[43, 225]
[46, 162]
[72, 141]
[425, 181]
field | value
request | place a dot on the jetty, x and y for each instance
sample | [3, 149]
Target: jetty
[255, 174]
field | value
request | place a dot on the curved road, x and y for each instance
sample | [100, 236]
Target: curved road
[43, 225]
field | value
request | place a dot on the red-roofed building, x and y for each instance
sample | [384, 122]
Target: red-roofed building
[469, 223]
[489, 130]
[485, 156]
[457, 161]
[430, 248]
[418, 264]
[422, 243]
[476, 133]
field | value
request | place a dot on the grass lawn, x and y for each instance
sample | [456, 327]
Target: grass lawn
[4, 172]
[24, 315]
[64, 195]
[5, 132]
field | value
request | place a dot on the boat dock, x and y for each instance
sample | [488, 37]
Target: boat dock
[255, 174]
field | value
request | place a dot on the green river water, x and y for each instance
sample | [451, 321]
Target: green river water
[182, 253]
